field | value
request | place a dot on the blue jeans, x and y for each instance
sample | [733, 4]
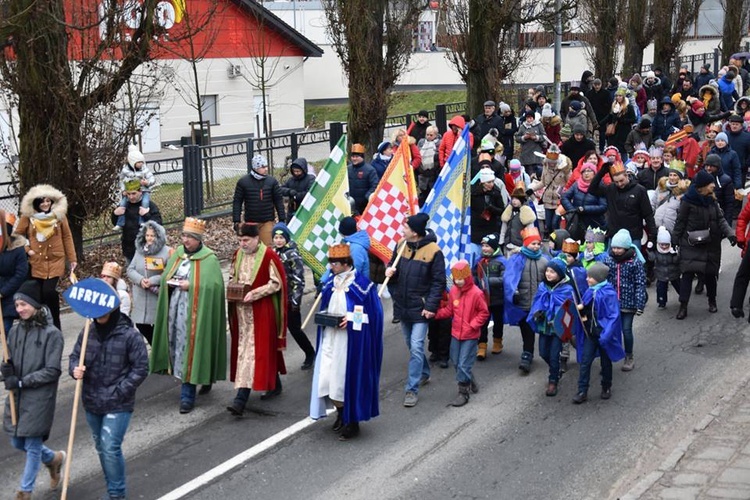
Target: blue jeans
[108, 432]
[187, 393]
[627, 331]
[145, 203]
[549, 349]
[591, 348]
[463, 354]
[36, 454]
[419, 367]
[551, 220]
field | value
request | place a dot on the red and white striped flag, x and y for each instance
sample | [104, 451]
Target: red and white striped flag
[394, 199]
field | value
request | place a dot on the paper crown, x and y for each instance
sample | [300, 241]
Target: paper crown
[339, 251]
[358, 149]
[112, 269]
[553, 153]
[571, 246]
[460, 270]
[193, 225]
[595, 235]
[133, 185]
[530, 234]
[617, 168]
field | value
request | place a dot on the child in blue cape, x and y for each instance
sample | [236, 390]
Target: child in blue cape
[577, 274]
[601, 334]
[628, 277]
[524, 273]
[550, 296]
[594, 249]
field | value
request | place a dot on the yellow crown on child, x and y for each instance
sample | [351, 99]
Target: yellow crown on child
[193, 225]
[112, 269]
[571, 246]
[339, 251]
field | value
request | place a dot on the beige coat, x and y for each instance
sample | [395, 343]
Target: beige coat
[49, 256]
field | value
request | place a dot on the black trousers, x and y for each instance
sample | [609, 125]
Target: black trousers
[528, 336]
[439, 338]
[146, 330]
[741, 280]
[686, 285]
[294, 323]
[51, 298]
[496, 313]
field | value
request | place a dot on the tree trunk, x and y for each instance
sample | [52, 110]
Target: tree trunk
[478, 88]
[735, 25]
[637, 36]
[605, 59]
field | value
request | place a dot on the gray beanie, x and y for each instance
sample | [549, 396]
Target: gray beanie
[598, 272]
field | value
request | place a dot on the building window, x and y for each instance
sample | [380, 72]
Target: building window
[210, 110]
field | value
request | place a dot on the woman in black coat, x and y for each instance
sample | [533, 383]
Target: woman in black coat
[699, 211]
[584, 206]
[14, 267]
[622, 115]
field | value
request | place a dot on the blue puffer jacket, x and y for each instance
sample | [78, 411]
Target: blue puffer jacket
[594, 207]
[419, 281]
[116, 364]
[663, 125]
[629, 280]
[14, 267]
[363, 179]
[740, 143]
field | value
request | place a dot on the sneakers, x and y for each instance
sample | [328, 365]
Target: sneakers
[395, 320]
[497, 346]
[525, 365]
[629, 363]
[606, 393]
[551, 389]
[737, 312]
[410, 399]
[143, 211]
[580, 398]
[54, 468]
[115, 229]
[482, 351]
[424, 380]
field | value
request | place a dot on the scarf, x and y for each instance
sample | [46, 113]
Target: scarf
[598, 285]
[531, 254]
[588, 255]
[694, 197]
[670, 186]
[515, 174]
[583, 186]
[257, 175]
[45, 224]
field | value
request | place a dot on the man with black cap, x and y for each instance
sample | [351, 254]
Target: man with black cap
[417, 285]
[260, 195]
[418, 129]
[363, 179]
[190, 333]
[297, 186]
[115, 364]
[739, 141]
[487, 121]
[257, 319]
[31, 375]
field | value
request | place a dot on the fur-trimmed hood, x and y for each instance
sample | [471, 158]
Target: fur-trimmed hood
[159, 243]
[708, 88]
[59, 201]
[737, 105]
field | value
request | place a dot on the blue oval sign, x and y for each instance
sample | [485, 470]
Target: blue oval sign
[92, 298]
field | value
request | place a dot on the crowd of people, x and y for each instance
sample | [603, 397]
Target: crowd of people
[576, 210]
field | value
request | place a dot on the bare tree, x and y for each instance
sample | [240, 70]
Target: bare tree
[735, 26]
[672, 19]
[66, 63]
[373, 40]
[602, 19]
[639, 32]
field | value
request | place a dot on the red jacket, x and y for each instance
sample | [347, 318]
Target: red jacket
[446, 144]
[742, 227]
[468, 308]
[576, 174]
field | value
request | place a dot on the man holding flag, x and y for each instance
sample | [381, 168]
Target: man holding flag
[416, 283]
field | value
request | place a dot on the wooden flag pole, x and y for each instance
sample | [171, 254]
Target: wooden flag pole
[11, 394]
[76, 399]
[395, 263]
[312, 310]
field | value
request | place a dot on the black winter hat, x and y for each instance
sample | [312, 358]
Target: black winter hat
[558, 236]
[348, 226]
[734, 118]
[493, 240]
[418, 223]
[713, 160]
[645, 123]
[31, 293]
[423, 112]
[703, 178]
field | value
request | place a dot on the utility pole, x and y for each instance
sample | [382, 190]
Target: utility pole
[558, 52]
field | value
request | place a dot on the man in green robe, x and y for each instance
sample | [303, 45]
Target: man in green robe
[190, 334]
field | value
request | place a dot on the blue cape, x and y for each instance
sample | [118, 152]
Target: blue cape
[577, 274]
[513, 270]
[364, 355]
[549, 300]
[606, 308]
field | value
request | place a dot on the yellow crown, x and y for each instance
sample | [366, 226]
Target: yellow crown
[193, 225]
[570, 246]
[617, 168]
[529, 231]
[112, 269]
[339, 251]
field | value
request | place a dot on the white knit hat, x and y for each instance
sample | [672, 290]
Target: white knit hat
[662, 236]
[486, 175]
[134, 155]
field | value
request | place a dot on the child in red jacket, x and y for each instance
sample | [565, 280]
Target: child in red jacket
[468, 308]
[742, 278]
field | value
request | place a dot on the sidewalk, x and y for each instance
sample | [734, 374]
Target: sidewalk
[713, 461]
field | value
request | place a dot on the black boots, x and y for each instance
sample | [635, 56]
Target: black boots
[274, 392]
[339, 422]
[349, 431]
[463, 395]
[682, 313]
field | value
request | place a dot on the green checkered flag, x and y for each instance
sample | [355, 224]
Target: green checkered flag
[315, 225]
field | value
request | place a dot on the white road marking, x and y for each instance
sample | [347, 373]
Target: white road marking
[240, 459]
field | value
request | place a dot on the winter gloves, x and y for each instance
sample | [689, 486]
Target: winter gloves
[8, 372]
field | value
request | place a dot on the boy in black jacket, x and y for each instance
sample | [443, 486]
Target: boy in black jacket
[490, 271]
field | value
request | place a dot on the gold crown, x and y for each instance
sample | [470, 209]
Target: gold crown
[339, 251]
[570, 246]
[460, 270]
[617, 168]
[193, 225]
[112, 269]
[529, 231]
